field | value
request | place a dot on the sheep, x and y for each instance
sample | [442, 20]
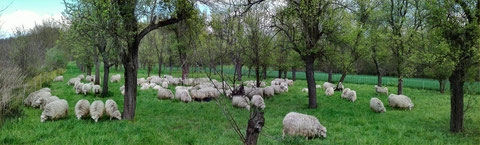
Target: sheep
[35, 103]
[164, 94]
[268, 91]
[285, 86]
[145, 87]
[82, 109]
[115, 78]
[188, 81]
[377, 106]
[33, 96]
[78, 88]
[97, 89]
[55, 110]
[258, 102]
[122, 89]
[183, 95]
[96, 110]
[183, 87]
[174, 81]
[305, 90]
[340, 86]
[241, 102]
[111, 109]
[277, 89]
[253, 91]
[45, 100]
[81, 77]
[400, 101]
[90, 78]
[318, 86]
[383, 90]
[73, 80]
[157, 87]
[141, 81]
[351, 95]
[165, 84]
[274, 82]
[58, 79]
[344, 93]
[87, 88]
[204, 85]
[329, 91]
[198, 81]
[199, 94]
[303, 125]
[328, 85]
[289, 82]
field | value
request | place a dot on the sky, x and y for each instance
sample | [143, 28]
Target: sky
[27, 12]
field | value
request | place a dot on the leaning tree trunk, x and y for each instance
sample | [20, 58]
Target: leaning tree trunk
[255, 125]
[249, 70]
[312, 91]
[456, 100]
[106, 71]
[257, 76]
[344, 74]
[294, 74]
[97, 71]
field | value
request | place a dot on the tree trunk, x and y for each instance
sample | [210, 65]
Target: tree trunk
[377, 67]
[249, 70]
[330, 75]
[279, 73]
[344, 74]
[131, 70]
[89, 70]
[312, 91]
[379, 79]
[116, 67]
[160, 68]
[257, 75]
[456, 100]
[400, 86]
[238, 70]
[97, 71]
[285, 74]
[265, 72]
[294, 74]
[255, 125]
[442, 85]
[149, 69]
[106, 71]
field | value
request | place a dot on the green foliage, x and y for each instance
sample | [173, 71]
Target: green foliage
[55, 59]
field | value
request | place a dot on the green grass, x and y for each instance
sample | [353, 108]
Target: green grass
[174, 122]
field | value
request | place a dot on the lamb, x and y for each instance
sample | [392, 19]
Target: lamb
[55, 110]
[86, 88]
[303, 125]
[82, 109]
[377, 106]
[33, 96]
[327, 85]
[241, 102]
[329, 91]
[35, 103]
[111, 109]
[268, 91]
[96, 110]
[115, 78]
[45, 100]
[96, 89]
[81, 77]
[72, 81]
[258, 102]
[183, 95]
[400, 101]
[383, 90]
[164, 94]
[58, 79]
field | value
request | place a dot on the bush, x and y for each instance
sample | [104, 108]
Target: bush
[11, 91]
[55, 59]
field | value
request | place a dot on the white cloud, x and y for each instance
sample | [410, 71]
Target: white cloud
[22, 18]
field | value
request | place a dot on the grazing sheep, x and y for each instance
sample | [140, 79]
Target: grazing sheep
[305, 90]
[35, 102]
[81, 76]
[122, 89]
[116, 78]
[145, 87]
[78, 88]
[44, 101]
[73, 80]
[344, 93]
[328, 85]
[382, 90]
[274, 82]
[33, 96]
[87, 88]
[164, 94]
[82, 109]
[157, 87]
[268, 91]
[174, 81]
[258, 102]
[340, 86]
[329, 91]
[285, 86]
[183, 95]
[58, 79]
[351, 95]
[97, 89]
[277, 89]
[253, 91]
[318, 86]
[111, 109]
[377, 106]
[90, 78]
[141, 81]
[199, 94]
[165, 84]
[96, 110]
[400, 101]
[55, 110]
[241, 102]
[303, 125]
[188, 81]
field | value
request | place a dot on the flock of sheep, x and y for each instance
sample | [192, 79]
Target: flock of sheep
[201, 89]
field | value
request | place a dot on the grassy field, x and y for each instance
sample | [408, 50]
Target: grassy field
[174, 122]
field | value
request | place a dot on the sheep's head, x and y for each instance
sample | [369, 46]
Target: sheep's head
[323, 132]
[117, 115]
[43, 117]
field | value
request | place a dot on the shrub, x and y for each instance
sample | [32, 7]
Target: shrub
[11, 91]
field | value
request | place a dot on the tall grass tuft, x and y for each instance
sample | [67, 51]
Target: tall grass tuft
[11, 92]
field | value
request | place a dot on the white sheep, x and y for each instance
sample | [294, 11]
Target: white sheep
[199, 94]
[377, 106]
[122, 89]
[383, 90]
[55, 110]
[400, 101]
[78, 88]
[36, 103]
[97, 89]
[329, 91]
[87, 88]
[258, 102]
[277, 89]
[58, 79]
[165, 84]
[188, 81]
[305, 90]
[141, 81]
[90, 78]
[81, 76]
[340, 86]
[183, 95]
[111, 109]
[157, 87]
[164, 94]
[303, 125]
[33, 96]
[115, 78]
[253, 91]
[352, 95]
[344, 93]
[145, 86]
[268, 91]
[328, 85]
[318, 86]
[285, 86]
[241, 102]
[82, 109]
[45, 100]
[96, 110]
[73, 80]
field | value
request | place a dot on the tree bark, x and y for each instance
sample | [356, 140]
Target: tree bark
[400, 86]
[106, 71]
[442, 85]
[379, 79]
[294, 74]
[97, 70]
[456, 100]
[312, 93]
[344, 74]
[285, 72]
[330, 75]
[377, 67]
[89, 70]
[160, 68]
[238, 70]
[265, 72]
[257, 76]
[255, 125]
[149, 69]
[279, 73]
